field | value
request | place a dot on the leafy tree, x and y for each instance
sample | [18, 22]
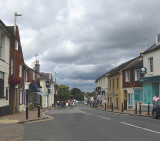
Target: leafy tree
[63, 92]
[77, 94]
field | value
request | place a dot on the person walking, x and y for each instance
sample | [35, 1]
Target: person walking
[155, 98]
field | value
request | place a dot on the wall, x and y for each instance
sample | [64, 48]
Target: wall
[156, 66]
[4, 67]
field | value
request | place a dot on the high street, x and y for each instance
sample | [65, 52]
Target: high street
[84, 124]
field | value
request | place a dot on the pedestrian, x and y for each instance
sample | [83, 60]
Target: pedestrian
[155, 98]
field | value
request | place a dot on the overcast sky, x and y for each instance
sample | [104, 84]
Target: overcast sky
[82, 39]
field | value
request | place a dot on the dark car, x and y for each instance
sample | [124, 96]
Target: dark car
[156, 109]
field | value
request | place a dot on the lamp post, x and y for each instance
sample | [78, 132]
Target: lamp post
[55, 88]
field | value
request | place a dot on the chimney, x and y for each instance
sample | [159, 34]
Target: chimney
[158, 39]
[37, 66]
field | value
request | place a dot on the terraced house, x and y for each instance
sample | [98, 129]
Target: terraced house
[116, 93]
[132, 88]
[102, 88]
[5, 39]
[151, 70]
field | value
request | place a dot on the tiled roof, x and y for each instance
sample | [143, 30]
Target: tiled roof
[152, 48]
[4, 26]
[136, 64]
[120, 67]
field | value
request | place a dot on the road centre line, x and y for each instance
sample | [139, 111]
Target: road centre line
[103, 117]
[140, 127]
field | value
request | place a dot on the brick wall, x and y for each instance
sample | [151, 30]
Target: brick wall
[132, 82]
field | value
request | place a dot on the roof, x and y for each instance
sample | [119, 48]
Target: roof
[135, 65]
[152, 48]
[46, 75]
[11, 29]
[6, 28]
[30, 68]
[121, 67]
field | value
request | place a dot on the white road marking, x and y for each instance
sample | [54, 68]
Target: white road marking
[102, 117]
[140, 127]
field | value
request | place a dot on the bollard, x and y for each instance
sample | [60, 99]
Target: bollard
[122, 107]
[148, 109]
[140, 108]
[136, 108]
[38, 110]
[112, 107]
[105, 106]
[26, 112]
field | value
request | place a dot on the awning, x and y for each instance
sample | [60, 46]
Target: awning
[34, 88]
[150, 79]
[42, 94]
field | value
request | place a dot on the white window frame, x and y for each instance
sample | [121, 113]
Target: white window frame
[21, 97]
[11, 66]
[158, 39]
[2, 43]
[137, 74]
[33, 75]
[26, 75]
[127, 74]
[151, 68]
[20, 70]
[1, 75]
[16, 45]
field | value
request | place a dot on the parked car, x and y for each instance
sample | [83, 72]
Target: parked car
[156, 109]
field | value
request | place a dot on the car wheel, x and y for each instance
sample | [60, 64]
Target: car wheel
[155, 116]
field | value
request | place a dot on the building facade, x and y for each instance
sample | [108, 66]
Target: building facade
[5, 38]
[102, 88]
[151, 68]
[132, 88]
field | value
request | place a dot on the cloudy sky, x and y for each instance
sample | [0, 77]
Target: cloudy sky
[82, 39]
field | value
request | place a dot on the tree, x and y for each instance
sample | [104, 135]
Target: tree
[77, 94]
[63, 92]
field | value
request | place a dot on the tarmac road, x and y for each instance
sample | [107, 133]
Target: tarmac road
[86, 124]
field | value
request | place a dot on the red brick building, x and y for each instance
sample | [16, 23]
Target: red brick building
[16, 94]
[131, 86]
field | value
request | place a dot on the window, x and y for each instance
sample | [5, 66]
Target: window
[110, 84]
[137, 74]
[2, 38]
[151, 64]
[26, 75]
[20, 70]
[117, 82]
[33, 75]
[113, 83]
[158, 38]
[130, 99]
[21, 97]
[127, 76]
[16, 45]
[11, 66]
[1, 84]
[138, 95]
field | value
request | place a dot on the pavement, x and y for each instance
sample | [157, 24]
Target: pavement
[130, 112]
[20, 117]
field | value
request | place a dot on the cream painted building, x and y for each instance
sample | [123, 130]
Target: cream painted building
[102, 85]
[47, 98]
[5, 36]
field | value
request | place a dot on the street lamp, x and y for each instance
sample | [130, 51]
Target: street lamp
[55, 82]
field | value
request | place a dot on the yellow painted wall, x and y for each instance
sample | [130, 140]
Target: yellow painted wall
[118, 91]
